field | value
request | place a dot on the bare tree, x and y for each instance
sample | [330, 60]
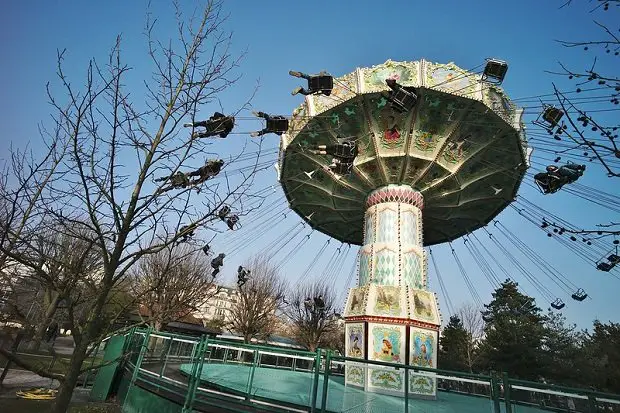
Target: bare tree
[311, 310]
[258, 301]
[580, 114]
[172, 284]
[586, 131]
[55, 265]
[334, 338]
[471, 317]
[108, 179]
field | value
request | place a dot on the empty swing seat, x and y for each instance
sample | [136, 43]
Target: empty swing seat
[552, 115]
[403, 99]
[558, 304]
[579, 295]
[613, 259]
[495, 71]
[604, 266]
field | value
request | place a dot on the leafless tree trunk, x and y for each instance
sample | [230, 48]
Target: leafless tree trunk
[172, 284]
[113, 150]
[311, 323]
[258, 301]
[474, 325]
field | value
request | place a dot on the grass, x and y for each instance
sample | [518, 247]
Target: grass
[39, 406]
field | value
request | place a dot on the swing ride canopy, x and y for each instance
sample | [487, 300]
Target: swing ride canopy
[462, 146]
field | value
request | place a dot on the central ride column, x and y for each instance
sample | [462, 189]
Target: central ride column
[391, 316]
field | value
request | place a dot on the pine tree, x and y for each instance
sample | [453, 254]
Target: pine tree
[601, 350]
[563, 358]
[514, 334]
[453, 346]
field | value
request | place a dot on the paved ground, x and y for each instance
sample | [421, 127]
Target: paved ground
[22, 379]
[64, 345]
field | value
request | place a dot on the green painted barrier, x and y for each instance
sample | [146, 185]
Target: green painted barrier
[106, 374]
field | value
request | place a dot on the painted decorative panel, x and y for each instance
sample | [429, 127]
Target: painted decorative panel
[387, 301]
[423, 346]
[421, 384]
[408, 227]
[354, 375]
[423, 306]
[298, 121]
[422, 352]
[385, 269]
[405, 73]
[386, 379]
[356, 304]
[355, 340]
[412, 269]
[369, 228]
[388, 343]
[450, 78]
[364, 271]
[387, 225]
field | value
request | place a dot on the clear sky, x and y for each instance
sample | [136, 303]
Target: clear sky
[337, 36]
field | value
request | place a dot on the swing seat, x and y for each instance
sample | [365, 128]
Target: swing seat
[495, 71]
[277, 125]
[224, 211]
[342, 168]
[613, 259]
[604, 266]
[232, 221]
[321, 84]
[546, 181]
[552, 115]
[344, 150]
[579, 295]
[558, 304]
[403, 100]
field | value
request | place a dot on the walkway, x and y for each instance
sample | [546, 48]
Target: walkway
[296, 387]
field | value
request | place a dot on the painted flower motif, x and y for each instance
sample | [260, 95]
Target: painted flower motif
[391, 135]
[394, 76]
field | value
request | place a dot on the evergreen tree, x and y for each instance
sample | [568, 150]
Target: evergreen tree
[601, 350]
[453, 346]
[562, 355]
[514, 334]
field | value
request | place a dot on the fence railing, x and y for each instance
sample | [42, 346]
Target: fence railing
[207, 372]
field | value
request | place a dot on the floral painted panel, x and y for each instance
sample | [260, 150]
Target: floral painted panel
[419, 384]
[386, 379]
[354, 375]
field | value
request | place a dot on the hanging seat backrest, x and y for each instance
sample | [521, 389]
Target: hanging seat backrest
[277, 124]
[321, 83]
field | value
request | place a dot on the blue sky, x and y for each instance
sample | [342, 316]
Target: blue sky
[338, 37]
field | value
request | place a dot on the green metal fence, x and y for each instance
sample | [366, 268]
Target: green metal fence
[201, 374]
